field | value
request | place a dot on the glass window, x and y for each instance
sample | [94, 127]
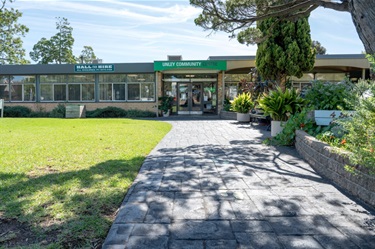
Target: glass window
[4, 88]
[59, 92]
[147, 92]
[88, 92]
[46, 92]
[53, 78]
[81, 78]
[119, 91]
[22, 88]
[133, 92]
[105, 91]
[74, 92]
[104, 78]
[140, 78]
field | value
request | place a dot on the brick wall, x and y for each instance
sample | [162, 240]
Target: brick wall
[331, 165]
[148, 106]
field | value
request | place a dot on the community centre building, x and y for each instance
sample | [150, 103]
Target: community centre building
[197, 86]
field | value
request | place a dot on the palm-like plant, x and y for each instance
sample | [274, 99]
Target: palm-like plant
[242, 103]
[281, 104]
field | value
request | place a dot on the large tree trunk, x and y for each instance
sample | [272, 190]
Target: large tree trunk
[363, 15]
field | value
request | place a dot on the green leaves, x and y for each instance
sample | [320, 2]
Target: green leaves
[281, 104]
[242, 103]
[57, 49]
[11, 51]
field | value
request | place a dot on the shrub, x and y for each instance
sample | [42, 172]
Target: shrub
[242, 103]
[17, 111]
[281, 104]
[140, 114]
[330, 96]
[360, 132]
[107, 112]
[58, 111]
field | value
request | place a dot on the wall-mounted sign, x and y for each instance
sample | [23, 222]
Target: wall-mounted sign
[94, 68]
[171, 65]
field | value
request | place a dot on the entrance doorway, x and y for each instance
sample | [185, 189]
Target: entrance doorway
[193, 94]
[190, 98]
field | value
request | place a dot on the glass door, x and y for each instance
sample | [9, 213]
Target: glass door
[190, 98]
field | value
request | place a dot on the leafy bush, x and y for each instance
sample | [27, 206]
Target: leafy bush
[227, 105]
[281, 104]
[242, 103]
[360, 132]
[58, 111]
[17, 111]
[107, 112]
[140, 114]
[298, 121]
[330, 96]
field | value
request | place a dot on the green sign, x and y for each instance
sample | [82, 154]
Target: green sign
[94, 68]
[171, 65]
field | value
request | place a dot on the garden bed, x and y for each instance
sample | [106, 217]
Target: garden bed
[325, 161]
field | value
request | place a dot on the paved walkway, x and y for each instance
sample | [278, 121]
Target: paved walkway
[212, 184]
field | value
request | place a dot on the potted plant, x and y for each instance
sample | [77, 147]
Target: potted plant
[279, 105]
[242, 104]
[165, 105]
[328, 99]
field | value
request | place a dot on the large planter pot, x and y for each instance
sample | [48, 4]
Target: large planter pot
[276, 127]
[243, 117]
[166, 114]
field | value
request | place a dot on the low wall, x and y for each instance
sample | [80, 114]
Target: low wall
[323, 159]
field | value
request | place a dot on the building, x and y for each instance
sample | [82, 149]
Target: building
[198, 86]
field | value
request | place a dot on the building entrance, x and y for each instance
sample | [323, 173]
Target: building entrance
[192, 94]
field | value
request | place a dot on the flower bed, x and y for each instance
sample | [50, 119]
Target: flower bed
[332, 165]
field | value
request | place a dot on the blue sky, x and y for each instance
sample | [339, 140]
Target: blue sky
[144, 31]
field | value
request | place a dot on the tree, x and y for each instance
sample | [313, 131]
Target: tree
[11, 51]
[236, 15]
[286, 51]
[58, 49]
[87, 55]
[318, 47]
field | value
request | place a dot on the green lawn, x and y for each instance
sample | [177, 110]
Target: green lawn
[62, 180]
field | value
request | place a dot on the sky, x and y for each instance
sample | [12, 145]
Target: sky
[145, 31]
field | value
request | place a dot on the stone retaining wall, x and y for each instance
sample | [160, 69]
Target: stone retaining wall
[323, 159]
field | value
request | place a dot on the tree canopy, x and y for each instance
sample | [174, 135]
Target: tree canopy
[11, 50]
[318, 47]
[87, 55]
[286, 51]
[232, 16]
[58, 49]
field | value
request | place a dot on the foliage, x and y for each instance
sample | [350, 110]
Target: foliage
[107, 112]
[227, 105]
[58, 112]
[297, 121]
[17, 111]
[87, 55]
[242, 103]
[371, 59]
[360, 132]
[240, 16]
[330, 96]
[11, 51]
[64, 179]
[140, 114]
[58, 49]
[281, 104]
[165, 103]
[286, 51]
[318, 47]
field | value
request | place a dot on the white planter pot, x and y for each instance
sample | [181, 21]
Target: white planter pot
[243, 117]
[166, 114]
[276, 127]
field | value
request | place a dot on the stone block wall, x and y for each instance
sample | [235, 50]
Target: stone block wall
[331, 165]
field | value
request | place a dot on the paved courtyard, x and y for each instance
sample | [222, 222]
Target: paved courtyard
[213, 184]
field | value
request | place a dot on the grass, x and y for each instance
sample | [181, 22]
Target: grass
[62, 180]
